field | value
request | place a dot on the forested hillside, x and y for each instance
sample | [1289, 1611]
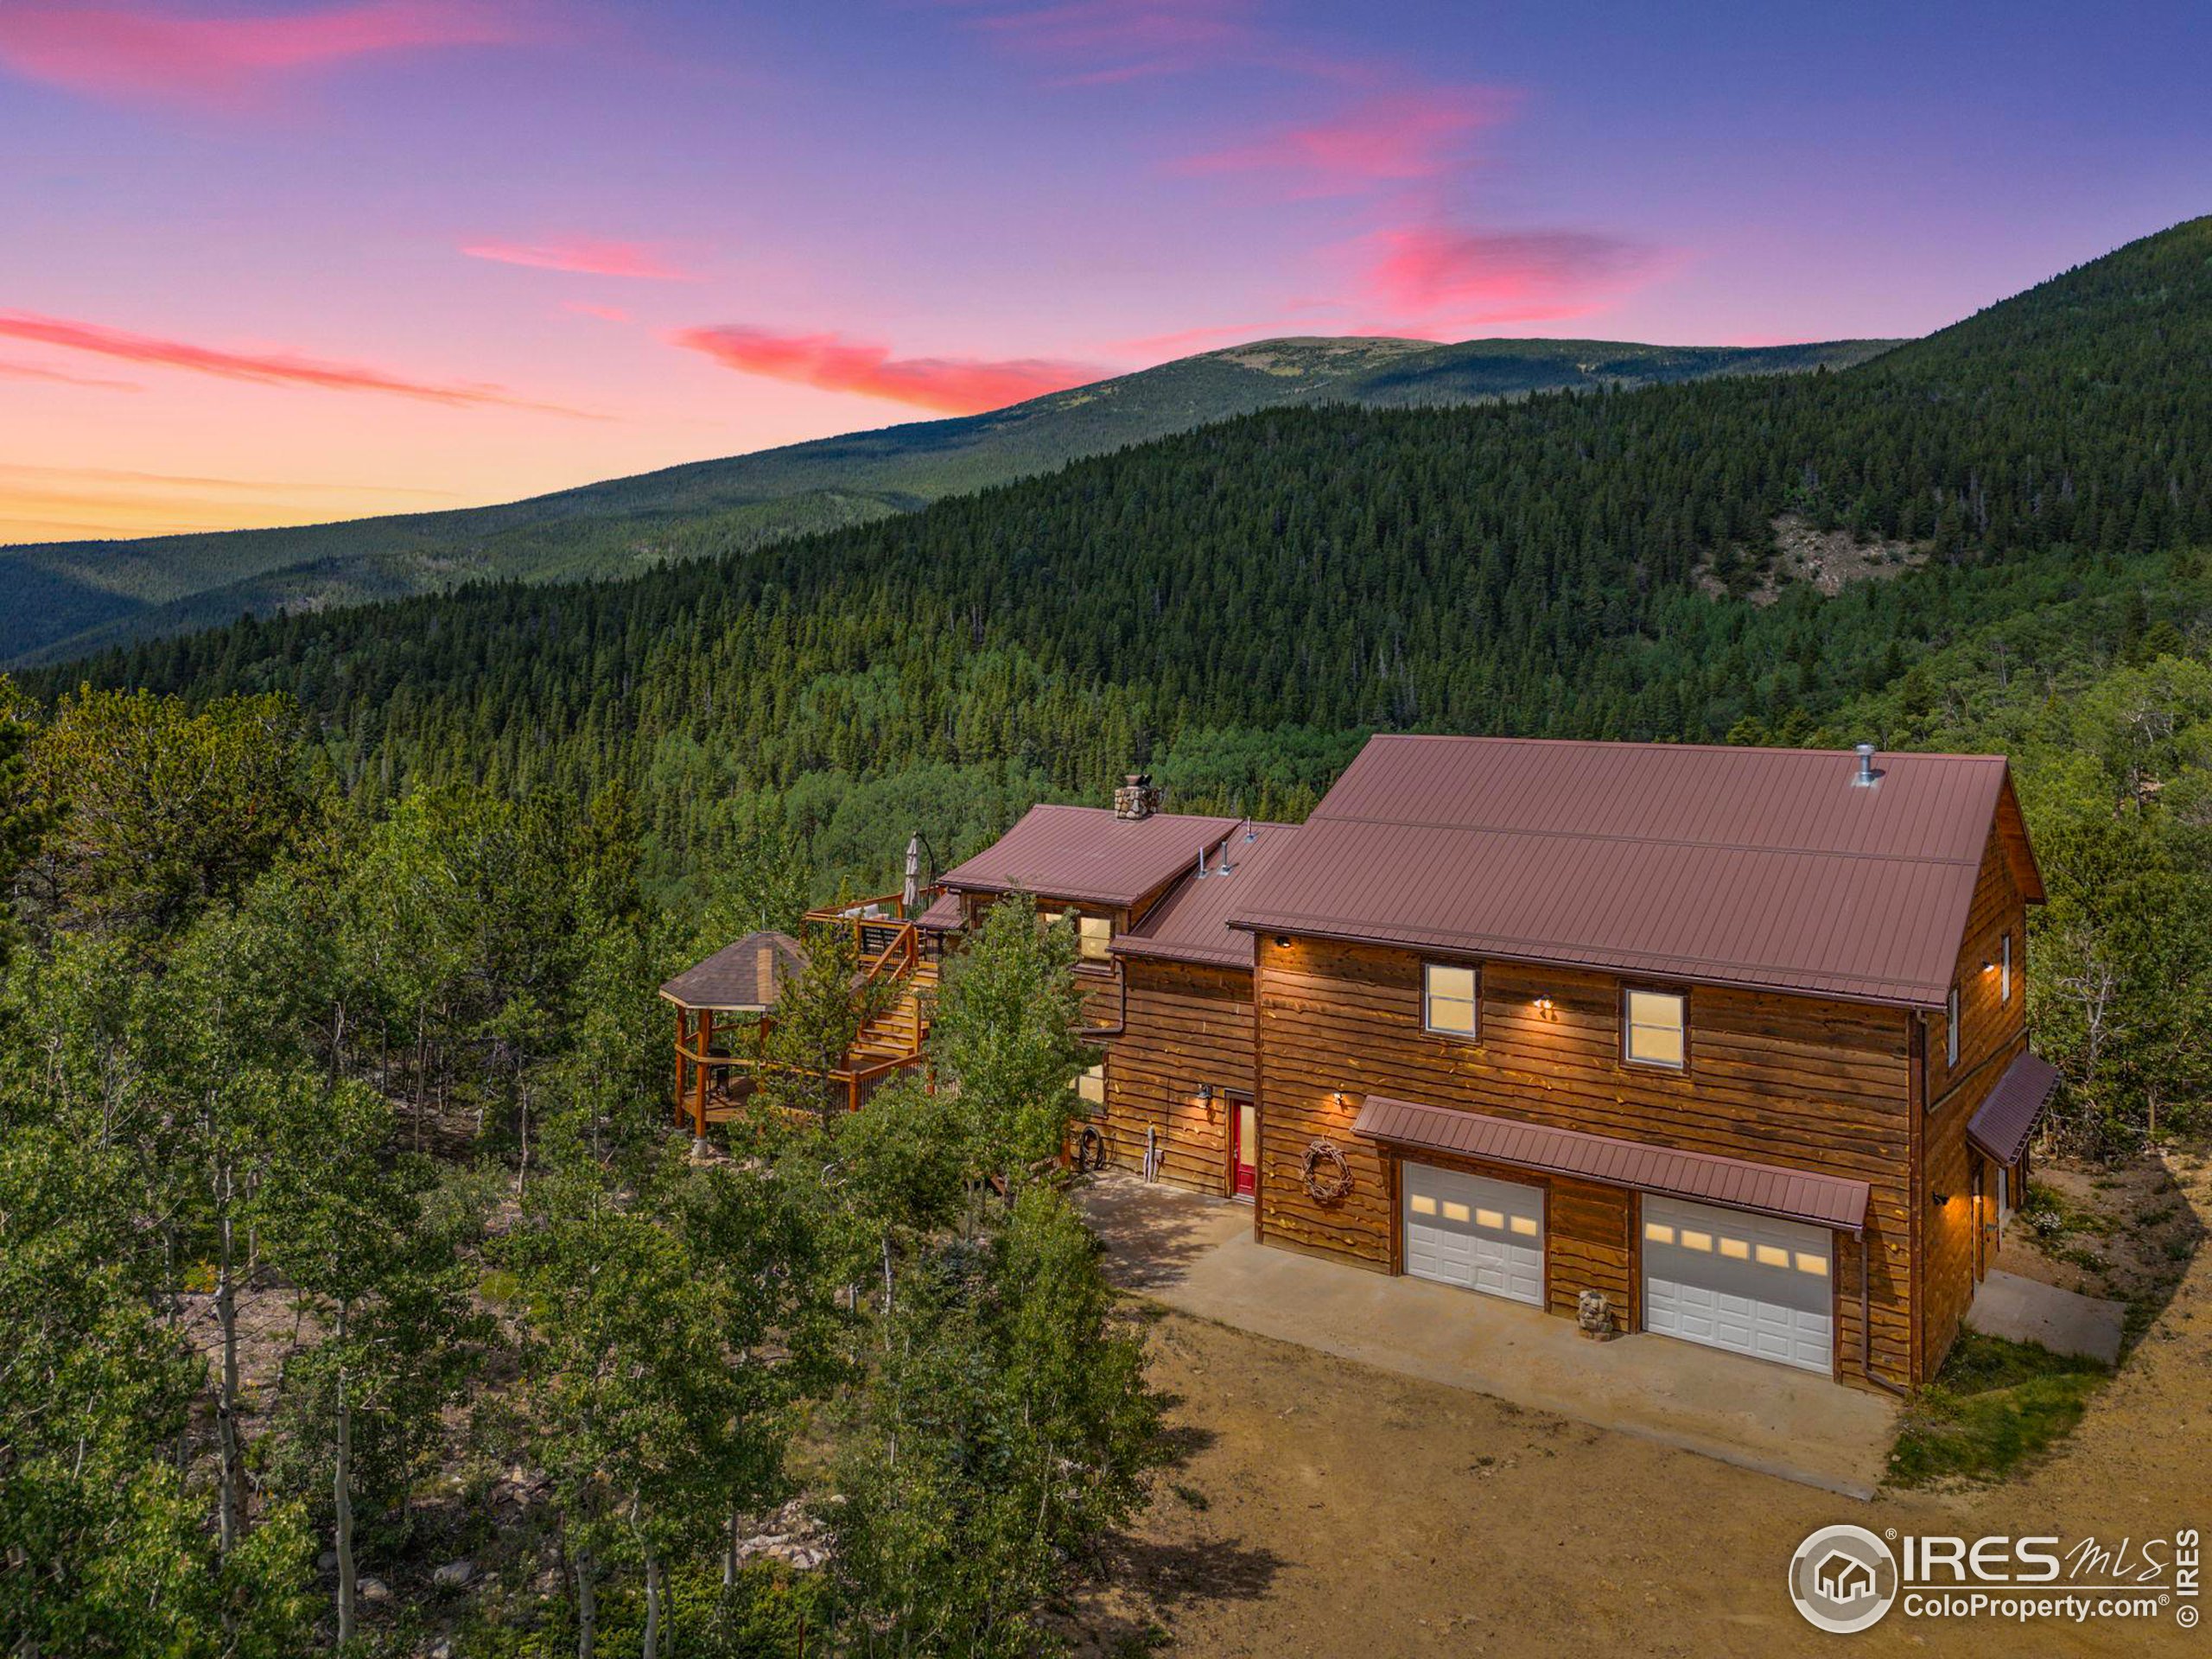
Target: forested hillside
[75, 596]
[1525, 567]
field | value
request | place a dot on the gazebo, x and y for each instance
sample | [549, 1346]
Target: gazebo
[742, 978]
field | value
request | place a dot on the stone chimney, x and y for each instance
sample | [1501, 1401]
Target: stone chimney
[1136, 798]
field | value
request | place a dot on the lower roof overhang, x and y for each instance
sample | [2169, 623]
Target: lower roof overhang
[2002, 1123]
[1827, 1201]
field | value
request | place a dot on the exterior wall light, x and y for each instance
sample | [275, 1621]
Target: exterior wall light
[1544, 1005]
[1283, 941]
[1939, 1200]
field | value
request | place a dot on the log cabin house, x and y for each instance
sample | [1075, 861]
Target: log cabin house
[1718, 1043]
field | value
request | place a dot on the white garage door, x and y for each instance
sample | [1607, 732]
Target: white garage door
[1465, 1229]
[1747, 1283]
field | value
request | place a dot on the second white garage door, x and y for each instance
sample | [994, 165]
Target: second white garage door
[1750, 1284]
[1466, 1230]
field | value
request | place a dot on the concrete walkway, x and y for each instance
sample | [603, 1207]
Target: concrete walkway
[1197, 1255]
[2026, 1309]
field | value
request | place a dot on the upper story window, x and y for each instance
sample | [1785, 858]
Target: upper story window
[1951, 1027]
[1448, 999]
[1094, 935]
[2004, 968]
[1655, 1028]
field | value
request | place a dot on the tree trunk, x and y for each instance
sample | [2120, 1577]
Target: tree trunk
[587, 1607]
[652, 1649]
[730, 1556]
[342, 1494]
[226, 1393]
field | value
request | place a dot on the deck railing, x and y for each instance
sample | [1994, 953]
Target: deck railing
[887, 945]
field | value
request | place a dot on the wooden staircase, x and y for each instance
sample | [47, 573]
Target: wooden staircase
[901, 1029]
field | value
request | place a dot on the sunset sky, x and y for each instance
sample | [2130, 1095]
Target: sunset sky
[275, 263]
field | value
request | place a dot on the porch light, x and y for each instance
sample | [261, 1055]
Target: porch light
[1939, 1200]
[1283, 941]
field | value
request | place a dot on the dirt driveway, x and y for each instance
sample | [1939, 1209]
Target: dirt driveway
[1323, 1508]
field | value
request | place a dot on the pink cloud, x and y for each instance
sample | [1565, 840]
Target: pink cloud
[63, 377]
[155, 51]
[951, 385]
[262, 368]
[604, 313]
[1103, 41]
[1483, 276]
[587, 257]
[1396, 139]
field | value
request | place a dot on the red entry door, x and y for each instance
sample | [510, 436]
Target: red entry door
[1243, 1146]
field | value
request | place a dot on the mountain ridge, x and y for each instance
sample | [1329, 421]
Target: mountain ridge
[74, 597]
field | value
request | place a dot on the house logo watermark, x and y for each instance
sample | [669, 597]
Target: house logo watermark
[1845, 1579]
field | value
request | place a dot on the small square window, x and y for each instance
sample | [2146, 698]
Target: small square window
[1656, 1023]
[1093, 937]
[1090, 1084]
[1448, 999]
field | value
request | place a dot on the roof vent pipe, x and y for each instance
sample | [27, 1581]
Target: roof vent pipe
[1866, 773]
[1222, 868]
[1203, 871]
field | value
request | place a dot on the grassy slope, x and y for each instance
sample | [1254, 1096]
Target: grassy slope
[74, 597]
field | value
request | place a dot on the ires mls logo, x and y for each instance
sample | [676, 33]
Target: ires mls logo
[1843, 1578]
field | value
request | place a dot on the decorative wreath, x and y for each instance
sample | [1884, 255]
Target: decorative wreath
[1328, 1176]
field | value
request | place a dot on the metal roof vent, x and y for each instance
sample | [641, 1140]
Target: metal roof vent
[1865, 777]
[1203, 871]
[1222, 868]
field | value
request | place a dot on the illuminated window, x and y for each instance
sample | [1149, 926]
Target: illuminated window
[1421, 1204]
[1491, 1218]
[1093, 934]
[1808, 1262]
[1525, 1225]
[1448, 999]
[1090, 1085]
[1658, 1232]
[2004, 968]
[1454, 1212]
[1773, 1255]
[1951, 1027]
[1655, 1022]
[1735, 1250]
[1693, 1240]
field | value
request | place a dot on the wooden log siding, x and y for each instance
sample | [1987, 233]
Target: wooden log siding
[1189, 1025]
[1990, 1032]
[1803, 1082]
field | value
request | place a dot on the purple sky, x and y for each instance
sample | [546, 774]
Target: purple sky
[273, 262]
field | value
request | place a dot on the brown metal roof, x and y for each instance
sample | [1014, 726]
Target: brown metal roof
[1088, 855]
[944, 913]
[1732, 866]
[1190, 924]
[740, 978]
[1732, 1182]
[2001, 1124]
